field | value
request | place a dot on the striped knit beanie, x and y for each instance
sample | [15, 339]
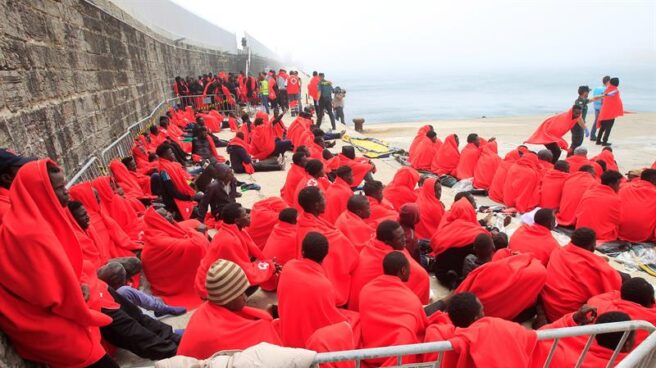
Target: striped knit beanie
[225, 282]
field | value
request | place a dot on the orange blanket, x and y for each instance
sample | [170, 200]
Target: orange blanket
[294, 176]
[337, 195]
[612, 301]
[264, 215]
[468, 159]
[424, 153]
[612, 107]
[281, 245]
[459, 228]
[381, 211]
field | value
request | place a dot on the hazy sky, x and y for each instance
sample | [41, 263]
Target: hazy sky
[337, 35]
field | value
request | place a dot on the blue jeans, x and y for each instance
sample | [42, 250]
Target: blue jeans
[141, 299]
[593, 129]
[265, 102]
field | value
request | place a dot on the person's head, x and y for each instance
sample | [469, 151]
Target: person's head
[431, 135]
[312, 200]
[545, 155]
[235, 214]
[345, 173]
[484, 247]
[437, 187]
[464, 309]
[639, 291]
[168, 216]
[349, 151]
[314, 246]
[584, 238]
[10, 163]
[299, 158]
[154, 130]
[395, 264]
[165, 151]
[612, 179]
[562, 165]
[467, 195]
[58, 182]
[545, 217]
[322, 76]
[303, 148]
[610, 340]
[240, 135]
[500, 240]
[164, 121]
[315, 73]
[614, 82]
[113, 274]
[457, 139]
[409, 215]
[79, 214]
[359, 205]
[223, 173]
[581, 151]
[602, 164]
[391, 233]
[288, 215]
[576, 111]
[648, 175]
[314, 168]
[473, 139]
[129, 163]
[605, 80]
[589, 169]
[200, 120]
[258, 121]
[226, 285]
[374, 189]
[584, 91]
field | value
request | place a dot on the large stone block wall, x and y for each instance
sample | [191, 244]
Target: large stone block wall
[75, 74]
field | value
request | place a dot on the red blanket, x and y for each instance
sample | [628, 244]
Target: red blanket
[281, 245]
[551, 188]
[238, 142]
[296, 129]
[637, 211]
[342, 258]
[306, 302]
[522, 187]
[263, 141]
[486, 166]
[380, 211]
[211, 122]
[508, 286]
[337, 195]
[51, 323]
[360, 167]
[459, 228]
[214, 328]
[337, 337]
[416, 141]
[355, 229]
[127, 180]
[534, 239]
[495, 191]
[599, 210]
[431, 210]
[264, 215]
[402, 188]
[234, 245]
[170, 258]
[612, 301]
[119, 208]
[4, 202]
[447, 157]
[180, 177]
[468, 160]
[553, 129]
[294, 176]
[607, 157]
[391, 315]
[424, 153]
[576, 162]
[612, 106]
[573, 190]
[574, 275]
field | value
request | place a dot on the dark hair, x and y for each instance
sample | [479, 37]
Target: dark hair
[615, 81]
[240, 135]
[610, 177]
[356, 202]
[603, 165]
[648, 175]
[385, 230]
[230, 213]
[584, 237]
[316, 132]
[297, 157]
[153, 129]
[588, 169]
[545, 155]
[372, 186]
[562, 165]
[258, 121]
[431, 134]
[162, 148]
[126, 160]
[610, 340]
[544, 217]
[315, 246]
[463, 309]
[308, 197]
[343, 171]
[583, 89]
[471, 138]
[53, 168]
[348, 151]
[313, 167]
[394, 262]
[605, 79]
[500, 240]
[639, 291]
[288, 215]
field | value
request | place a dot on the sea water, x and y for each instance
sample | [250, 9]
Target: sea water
[441, 94]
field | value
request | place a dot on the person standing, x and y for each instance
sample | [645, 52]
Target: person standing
[325, 90]
[264, 92]
[582, 101]
[338, 104]
[598, 91]
[294, 89]
[611, 109]
[281, 81]
[313, 90]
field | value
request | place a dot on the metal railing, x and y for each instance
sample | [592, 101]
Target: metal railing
[642, 356]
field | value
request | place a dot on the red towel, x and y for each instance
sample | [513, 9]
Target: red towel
[612, 106]
[468, 160]
[599, 210]
[486, 166]
[553, 129]
[337, 196]
[431, 210]
[574, 275]
[534, 239]
[637, 211]
[573, 190]
[508, 286]
[402, 188]
[459, 228]
[264, 215]
[213, 328]
[355, 229]
[551, 188]
[522, 187]
[447, 157]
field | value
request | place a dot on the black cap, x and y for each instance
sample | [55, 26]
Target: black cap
[9, 159]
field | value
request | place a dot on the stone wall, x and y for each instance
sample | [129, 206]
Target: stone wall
[75, 74]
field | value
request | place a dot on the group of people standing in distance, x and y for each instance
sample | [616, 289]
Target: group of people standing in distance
[345, 254]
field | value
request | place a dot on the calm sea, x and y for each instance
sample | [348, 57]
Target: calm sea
[434, 95]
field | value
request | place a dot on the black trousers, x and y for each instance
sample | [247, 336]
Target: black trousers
[105, 362]
[325, 106]
[339, 114]
[283, 99]
[555, 151]
[604, 130]
[577, 136]
[451, 260]
[132, 330]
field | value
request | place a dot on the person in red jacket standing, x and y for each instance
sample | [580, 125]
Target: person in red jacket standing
[313, 89]
[611, 109]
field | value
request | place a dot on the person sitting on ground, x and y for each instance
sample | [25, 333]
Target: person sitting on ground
[219, 193]
[224, 322]
[495, 191]
[306, 297]
[431, 209]
[420, 137]
[426, 149]
[389, 237]
[608, 158]
[550, 133]
[446, 157]
[203, 145]
[352, 222]
[599, 208]
[10, 163]
[134, 184]
[522, 187]
[178, 196]
[342, 259]
[264, 143]
[242, 162]
[409, 217]
[338, 194]
[391, 314]
[281, 244]
[483, 251]
[536, 239]
[486, 165]
[579, 158]
[264, 216]
[401, 189]
[551, 187]
[638, 208]
[573, 189]
[127, 213]
[315, 176]
[575, 274]
[232, 243]
[362, 167]
[381, 208]
[469, 156]
[295, 174]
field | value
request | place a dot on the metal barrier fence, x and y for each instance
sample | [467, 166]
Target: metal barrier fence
[642, 356]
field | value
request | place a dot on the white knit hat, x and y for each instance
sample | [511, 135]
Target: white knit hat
[225, 282]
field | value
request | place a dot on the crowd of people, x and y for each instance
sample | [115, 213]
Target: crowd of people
[348, 257]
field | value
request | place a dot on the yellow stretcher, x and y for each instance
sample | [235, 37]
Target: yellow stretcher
[371, 147]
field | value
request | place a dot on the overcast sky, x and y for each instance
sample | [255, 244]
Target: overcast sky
[358, 35]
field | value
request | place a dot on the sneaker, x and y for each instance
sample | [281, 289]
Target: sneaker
[606, 144]
[593, 138]
[598, 143]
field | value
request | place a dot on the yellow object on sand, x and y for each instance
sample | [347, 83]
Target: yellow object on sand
[371, 147]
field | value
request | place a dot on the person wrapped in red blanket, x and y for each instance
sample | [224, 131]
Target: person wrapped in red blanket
[469, 156]
[536, 239]
[361, 166]
[550, 133]
[495, 191]
[134, 184]
[179, 196]
[607, 156]
[575, 274]
[638, 208]
[122, 210]
[401, 189]
[171, 256]
[315, 176]
[264, 215]
[224, 322]
[486, 165]
[424, 151]
[599, 208]
[338, 194]
[522, 187]
[446, 157]
[417, 141]
[551, 187]
[431, 209]
[352, 222]
[295, 174]
[281, 244]
[381, 208]
[573, 188]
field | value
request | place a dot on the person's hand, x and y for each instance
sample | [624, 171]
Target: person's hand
[585, 315]
[85, 291]
[202, 228]
[492, 139]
